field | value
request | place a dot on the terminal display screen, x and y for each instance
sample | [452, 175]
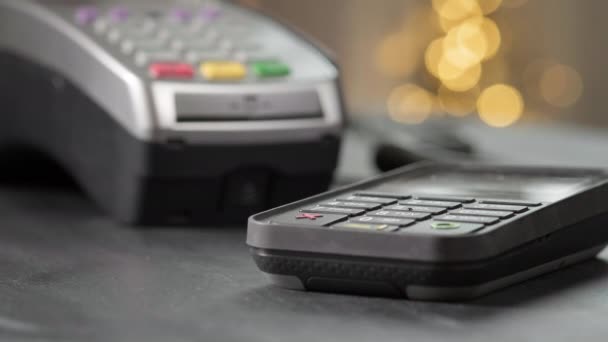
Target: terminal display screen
[490, 185]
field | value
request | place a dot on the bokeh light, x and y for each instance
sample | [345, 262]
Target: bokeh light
[561, 85]
[469, 54]
[488, 29]
[464, 45]
[447, 70]
[446, 24]
[457, 58]
[550, 82]
[500, 105]
[456, 9]
[433, 55]
[466, 80]
[410, 104]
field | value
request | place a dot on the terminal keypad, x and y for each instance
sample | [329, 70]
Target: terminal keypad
[396, 212]
[208, 38]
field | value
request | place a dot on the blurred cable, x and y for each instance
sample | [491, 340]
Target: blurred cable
[397, 145]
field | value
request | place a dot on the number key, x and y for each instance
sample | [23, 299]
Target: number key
[430, 210]
[356, 205]
[501, 207]
[490, 213]
[369, 199]
[400, 214]
[447, 199]
[467, 219]
[424, 203]
[366, 226]
[510, 202]
[333, 210]
[384, 220]
[382, 194]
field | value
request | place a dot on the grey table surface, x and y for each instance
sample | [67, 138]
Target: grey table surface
[68, 273]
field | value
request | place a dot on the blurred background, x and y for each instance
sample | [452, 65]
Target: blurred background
[499, 62]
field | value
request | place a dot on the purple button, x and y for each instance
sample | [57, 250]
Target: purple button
[119, 14]
[86, 15]
[211, 12]
[181, 15]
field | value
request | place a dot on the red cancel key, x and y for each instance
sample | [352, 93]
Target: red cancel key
[171, 70]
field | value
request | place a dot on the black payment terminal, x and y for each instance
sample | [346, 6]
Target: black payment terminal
[170, 112]
[435, 231]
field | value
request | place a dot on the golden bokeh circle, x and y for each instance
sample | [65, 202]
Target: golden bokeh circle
[433, 55]
[410, 104]
[464, 45]
[466, 80]
[491, 35]
[561, 85]
[456, 9]
[500, 105]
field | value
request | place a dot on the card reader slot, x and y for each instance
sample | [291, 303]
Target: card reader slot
[184, 118]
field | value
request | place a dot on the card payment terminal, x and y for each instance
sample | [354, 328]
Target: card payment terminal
[435, 231]
[170, 111]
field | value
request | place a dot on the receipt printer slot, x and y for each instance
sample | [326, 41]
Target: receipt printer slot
[215, 107]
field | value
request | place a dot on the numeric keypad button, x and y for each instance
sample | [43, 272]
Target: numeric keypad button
[500, 207]
[401, 222]
[400, 214]
[210, 13]
[308, 219]
[85, 15]
[442, 228]
[207, 43]
[119, 14]
[356, 205]
[129, 46]
[365, 226]
[139, 28]
[145, 58]
[180, 16]
[334, 210]
[101, 26]
[187, 31]
[202, 56]
[382, 194]
[114, 35]
[490, 213]
[425, 203]
[430, 210]
[512, 202]
[447, 199]
[368, 199]
[467, 219]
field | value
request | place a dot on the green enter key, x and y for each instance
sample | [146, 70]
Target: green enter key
[270, 69]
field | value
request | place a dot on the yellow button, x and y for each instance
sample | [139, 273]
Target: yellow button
[223, 71]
